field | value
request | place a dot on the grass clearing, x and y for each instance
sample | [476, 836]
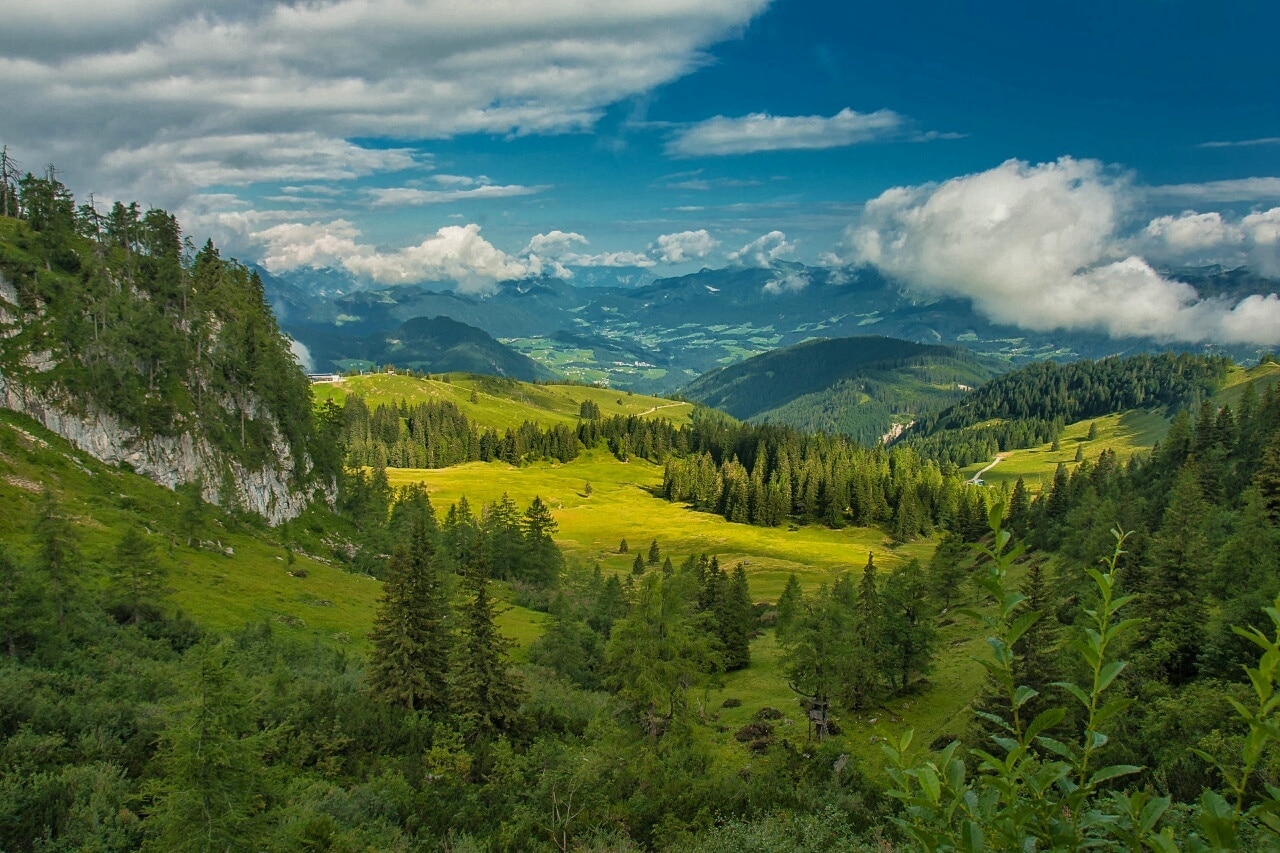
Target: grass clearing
[624, 505]
[502, 403]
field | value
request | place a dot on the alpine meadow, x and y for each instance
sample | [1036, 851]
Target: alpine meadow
[730, 425]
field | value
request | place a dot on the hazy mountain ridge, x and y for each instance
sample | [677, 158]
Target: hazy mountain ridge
[858, 386]
[687, 325]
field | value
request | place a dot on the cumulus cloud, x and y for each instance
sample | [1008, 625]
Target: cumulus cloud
[762, 251]
[155, 79]
[556, 251]
[790, 283]
[763, 132]
[1037, 246]
[684, 246]
[454, 253]
[1200, 238]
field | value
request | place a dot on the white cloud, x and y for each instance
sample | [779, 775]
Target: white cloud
[790, 283]
[763, 132]
[763, 251]
[1242, 189]
[410, 196]
[1037, 247]
[120, 90]
[1262, 241]
[1200, 238]
[1192, 232]
[684, 246]
[454, 253]
[302, 355]
[1242, 143]
[556, 252]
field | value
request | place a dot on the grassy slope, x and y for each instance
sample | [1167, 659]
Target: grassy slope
[1126, 433]
[219, 592]
[502, 403]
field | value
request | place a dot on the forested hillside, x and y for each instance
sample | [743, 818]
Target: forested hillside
[860, 387]
[1029, 406]
[117, 322]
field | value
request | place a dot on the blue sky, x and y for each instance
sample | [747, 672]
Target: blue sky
[481, 142]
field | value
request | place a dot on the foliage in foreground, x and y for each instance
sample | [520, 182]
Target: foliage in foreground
[1037, 791]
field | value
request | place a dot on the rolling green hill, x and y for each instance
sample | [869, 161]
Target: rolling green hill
[501, 403]
[859, 386]
[1133, 431]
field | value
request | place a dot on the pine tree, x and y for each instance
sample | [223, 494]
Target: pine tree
[789, 604]
[637, 568]
[483, 692]
[409, 663]
[543, 557]
[212, 786]
[1019, 507]
[135, 576]
[910, 635]
[654, 554]
[622, 546]
[736, 621]
[59, 553]
[1178, 558]
[193, 512]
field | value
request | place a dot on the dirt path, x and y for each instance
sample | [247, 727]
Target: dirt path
[973, 481]
[666, 406]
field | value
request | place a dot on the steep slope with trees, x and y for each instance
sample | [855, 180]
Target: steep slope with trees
[120, 336]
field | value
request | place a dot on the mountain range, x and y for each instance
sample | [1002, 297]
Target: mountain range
[660, 335]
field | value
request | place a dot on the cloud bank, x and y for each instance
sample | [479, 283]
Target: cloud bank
[455, 253]
[184, 94]
[762, 251]
[1038, 246]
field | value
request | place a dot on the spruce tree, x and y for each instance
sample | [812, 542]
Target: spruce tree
[484, 695]
[637, 568]
[1171, 602]
[135, 575]
[910, 635]
[789, 604]
[59, 553]
[736, 619]
[409, 663]
[654, 554]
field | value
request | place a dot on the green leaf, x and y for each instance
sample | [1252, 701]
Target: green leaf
[929, 783]
[1109, 673]
[1075, 691]
[1021, 624]
[971, 840]
[1045, 720]
[1023, 695]
[1112, 772]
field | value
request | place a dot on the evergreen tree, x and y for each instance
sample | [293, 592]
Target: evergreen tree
[135, 575]
[736, 621]
[59, 553]
[654, 554]
[193, 512]
[484, 694]
[789, 604]
[1019, 507]
[213, 785]
[910, 635]
[658, 653]
[622, 546]
[409, 664]
[543, 557]
[1178, 558]
[637, 568]
[609, 607]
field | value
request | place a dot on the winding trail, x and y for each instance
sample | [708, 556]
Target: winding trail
[666, 406]
[973, 481]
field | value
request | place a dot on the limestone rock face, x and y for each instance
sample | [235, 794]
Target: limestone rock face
[170, 460]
